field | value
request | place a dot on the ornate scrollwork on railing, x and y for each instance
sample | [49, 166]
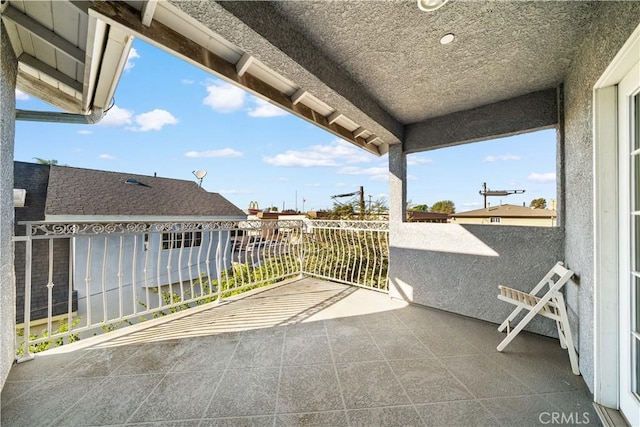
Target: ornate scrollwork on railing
[340, 224]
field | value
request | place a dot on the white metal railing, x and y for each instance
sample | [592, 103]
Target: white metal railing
[345, 251]
[125, 272]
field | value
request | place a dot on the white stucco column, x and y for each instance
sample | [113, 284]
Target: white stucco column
[8, 70]
[397, 184]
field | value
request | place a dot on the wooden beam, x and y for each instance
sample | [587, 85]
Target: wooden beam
[148, 9]
[297, 97]
[44, 34]
[40, 66]
[81, 5]
[120, 14]
[359, 132]
[372, 139]
[44, 91]
[333, 117]
[243, 64]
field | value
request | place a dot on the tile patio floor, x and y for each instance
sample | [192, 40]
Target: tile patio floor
[302, 354]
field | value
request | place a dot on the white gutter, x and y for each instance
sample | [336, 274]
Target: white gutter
[56, 117]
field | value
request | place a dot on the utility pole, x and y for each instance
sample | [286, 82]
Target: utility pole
[485, 192]
[361, 202]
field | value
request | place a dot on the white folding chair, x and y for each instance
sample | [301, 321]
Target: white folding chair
[550, 305]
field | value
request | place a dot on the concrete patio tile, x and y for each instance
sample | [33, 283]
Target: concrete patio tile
[313, 419]
[309, 388]
[204, 355]
[242, 392]
[531, 410]
[15, 389]
[370, 384]
[483, 378]
[417, 318]
[183, 395]
[384, 321]
[261, 333]
[100, 362]
[354, 348]
[46, 401]
[303, 350]
[155, 357]
[345, 326]
[427, 380]
[181, 423]
[528, 368]
[390, 416]
[306, 329]
[455, 414]
[263, 421]
[400, 344]
[111, 402]
[43, 366]
[258, 353]
[578, 402]
[444, 342]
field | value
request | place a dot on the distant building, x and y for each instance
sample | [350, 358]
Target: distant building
[68, 195]
[507, 215]
[416, 216]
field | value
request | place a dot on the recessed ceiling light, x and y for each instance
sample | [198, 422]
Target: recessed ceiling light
[430, 5]
[447, 38]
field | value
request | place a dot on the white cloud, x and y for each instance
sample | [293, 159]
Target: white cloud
[223, 152]
[412, 160]
[470, 204]
[380, 178]
[380, 174]
[224, 97]
[21, 96]
[117, 117]
[504, 157]
[542, 177]
[133, 54]
[354, 170]
[154, 120]
[187, 81]
[265, 109]
[107, 157]
[334, 154]
[85, 132]
[312, 185]
[340, 184]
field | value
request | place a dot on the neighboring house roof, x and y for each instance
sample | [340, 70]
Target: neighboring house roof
[507, 211]
[86, 192]
[417, 216]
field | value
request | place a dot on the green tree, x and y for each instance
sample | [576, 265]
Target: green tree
[443, 206]
[420, 208]
[539, 203]
[45, 161]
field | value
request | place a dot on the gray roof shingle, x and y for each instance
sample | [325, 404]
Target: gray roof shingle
[75, 191]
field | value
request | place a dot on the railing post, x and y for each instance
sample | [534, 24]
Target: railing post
[27, 294]
[302, 226]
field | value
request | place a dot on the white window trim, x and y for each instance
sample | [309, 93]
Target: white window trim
[606, 215]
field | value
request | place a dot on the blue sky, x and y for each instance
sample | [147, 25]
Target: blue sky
[172, 118]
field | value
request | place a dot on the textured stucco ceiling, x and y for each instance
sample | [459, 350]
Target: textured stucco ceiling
[502, 48]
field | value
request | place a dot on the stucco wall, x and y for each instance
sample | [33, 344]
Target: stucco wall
[613, 25]
[458, 268]
[8, 69]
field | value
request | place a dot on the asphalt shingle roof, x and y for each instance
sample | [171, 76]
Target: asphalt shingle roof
[507, 211]
[75, 191]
